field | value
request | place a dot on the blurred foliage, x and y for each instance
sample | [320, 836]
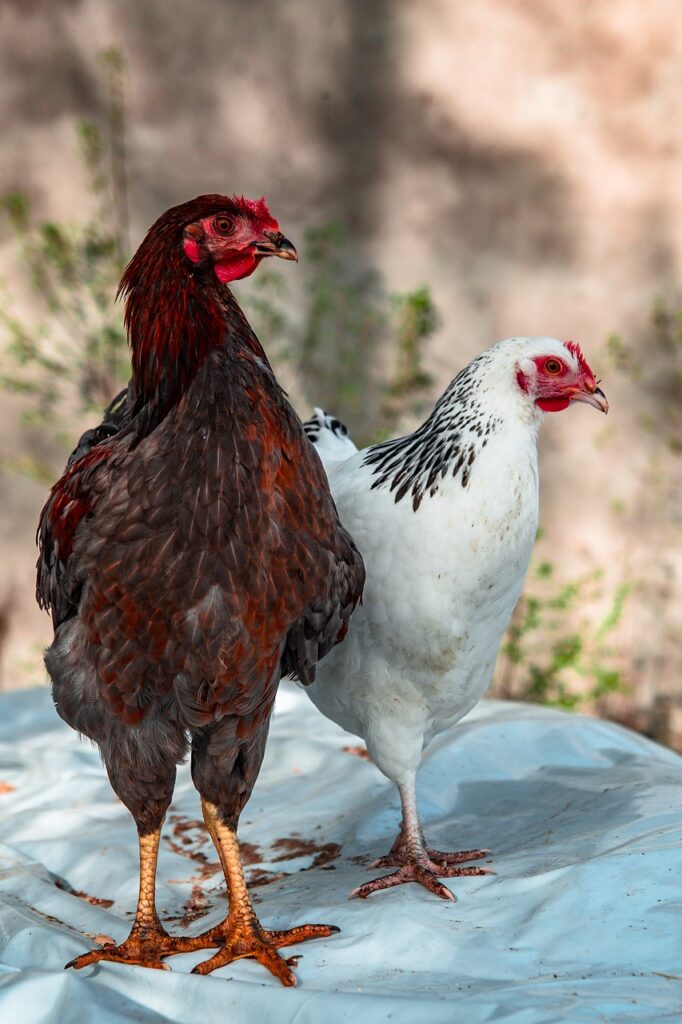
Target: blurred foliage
[265, 306]
[544, 658]
[343, 328]
[659, 372]
[70, 356]
[74, 270]
[352, 329]
[416, 322]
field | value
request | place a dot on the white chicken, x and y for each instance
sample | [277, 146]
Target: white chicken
[445, 519]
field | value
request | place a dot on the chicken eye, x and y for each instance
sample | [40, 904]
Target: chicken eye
[552, 366]
[223, 225]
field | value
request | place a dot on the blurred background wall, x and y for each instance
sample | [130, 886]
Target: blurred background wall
[518, 160]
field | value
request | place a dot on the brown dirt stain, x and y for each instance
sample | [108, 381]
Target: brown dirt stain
[259, 876]
[294, 847]
[194, 908]
[94, 901]
[358, 751]
[188, 837]
[184, 842]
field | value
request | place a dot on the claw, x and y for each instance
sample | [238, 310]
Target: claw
[424, 869]
[241, 939]
[457, 856]
[127, 953]
[400, 855]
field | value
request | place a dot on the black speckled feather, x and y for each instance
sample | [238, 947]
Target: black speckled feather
[445, 445]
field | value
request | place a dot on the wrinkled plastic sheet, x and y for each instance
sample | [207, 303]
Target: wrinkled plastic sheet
[582, 921]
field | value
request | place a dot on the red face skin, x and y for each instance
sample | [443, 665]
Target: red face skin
[556, 382]
[236, 240]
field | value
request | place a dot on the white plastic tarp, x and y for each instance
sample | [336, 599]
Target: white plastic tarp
[582, 921]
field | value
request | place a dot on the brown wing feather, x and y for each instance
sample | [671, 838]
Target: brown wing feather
[212, 553]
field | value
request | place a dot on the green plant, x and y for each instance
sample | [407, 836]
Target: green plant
[416, 320]
[72, 352]
[549, 656]
[265, 306]
[355, 350]
[360, 351]
[342, 332]
[659, 373]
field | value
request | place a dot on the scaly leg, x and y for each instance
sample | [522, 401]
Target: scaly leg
[415, 860]
[148, 941]
[241, 934]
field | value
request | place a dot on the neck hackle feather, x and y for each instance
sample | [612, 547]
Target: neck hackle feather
[177, 312]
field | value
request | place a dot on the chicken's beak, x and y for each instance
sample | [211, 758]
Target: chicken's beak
[592, 396]
[276, 245]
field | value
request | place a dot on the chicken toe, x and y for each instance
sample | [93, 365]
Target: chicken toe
[423, 871]
[245, 938]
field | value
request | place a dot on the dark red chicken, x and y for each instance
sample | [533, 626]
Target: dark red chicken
[190, 559]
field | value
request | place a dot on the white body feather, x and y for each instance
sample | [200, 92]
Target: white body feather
[330, 437]
[442, 581]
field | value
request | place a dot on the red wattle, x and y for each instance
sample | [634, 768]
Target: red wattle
[234, 270]
[553, 404]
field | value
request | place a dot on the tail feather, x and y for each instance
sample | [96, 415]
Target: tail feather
[329, 436]
[116, 416]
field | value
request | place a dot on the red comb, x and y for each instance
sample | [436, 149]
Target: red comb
[575, 350]
[258, 209]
